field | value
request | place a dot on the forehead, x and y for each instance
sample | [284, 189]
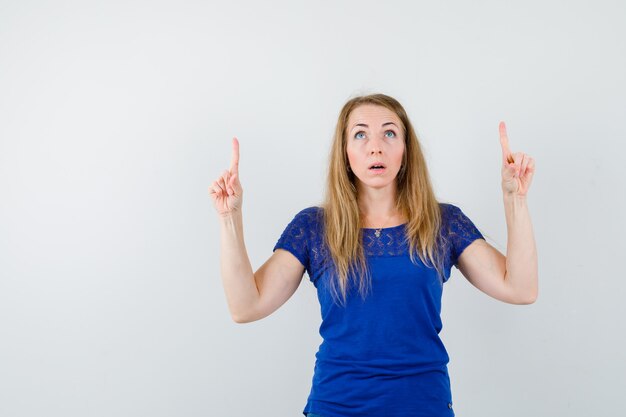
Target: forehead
[371, 113]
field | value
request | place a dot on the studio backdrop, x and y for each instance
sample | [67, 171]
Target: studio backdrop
[116, 116]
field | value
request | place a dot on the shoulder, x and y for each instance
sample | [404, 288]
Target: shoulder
[448, 212]
[308, 217]
[312, 210]
[310, 213]
[455, 221]
[451, 211]
[448, 207]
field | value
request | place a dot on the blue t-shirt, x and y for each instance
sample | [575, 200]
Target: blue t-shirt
[382, 355]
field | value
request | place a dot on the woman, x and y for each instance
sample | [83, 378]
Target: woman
[378, 251]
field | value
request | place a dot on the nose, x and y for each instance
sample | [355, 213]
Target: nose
[375, 145]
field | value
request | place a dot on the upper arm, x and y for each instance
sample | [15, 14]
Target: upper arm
[277, 280]
[485, 268]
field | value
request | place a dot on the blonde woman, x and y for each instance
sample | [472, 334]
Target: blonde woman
[378, 251]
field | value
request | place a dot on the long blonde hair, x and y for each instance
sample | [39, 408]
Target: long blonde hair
[415, 200]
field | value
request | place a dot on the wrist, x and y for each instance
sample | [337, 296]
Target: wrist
[513, 198]
[233, 215]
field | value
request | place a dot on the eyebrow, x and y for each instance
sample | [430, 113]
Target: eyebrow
[364, 125]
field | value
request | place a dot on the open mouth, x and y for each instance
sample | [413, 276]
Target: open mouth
[377, 167]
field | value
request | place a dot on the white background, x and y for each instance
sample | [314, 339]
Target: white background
[116, 116]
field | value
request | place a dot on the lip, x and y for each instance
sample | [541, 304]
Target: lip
[376, 163]
[378, 171]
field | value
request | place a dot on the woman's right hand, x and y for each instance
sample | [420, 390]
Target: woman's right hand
[226, 191]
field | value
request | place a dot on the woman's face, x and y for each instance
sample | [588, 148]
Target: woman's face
[374, 135]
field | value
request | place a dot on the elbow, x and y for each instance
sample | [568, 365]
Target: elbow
[242, 316]
[529, 299]
[240, 319]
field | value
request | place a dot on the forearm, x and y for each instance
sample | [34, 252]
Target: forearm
[237, 274]
[521, 254]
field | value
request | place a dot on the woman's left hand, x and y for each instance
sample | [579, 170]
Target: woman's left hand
[517, 169]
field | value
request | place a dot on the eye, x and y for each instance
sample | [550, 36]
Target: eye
[358, 133]
[394, 133]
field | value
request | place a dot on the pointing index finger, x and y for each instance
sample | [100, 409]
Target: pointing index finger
[504, 141]
[234, 162]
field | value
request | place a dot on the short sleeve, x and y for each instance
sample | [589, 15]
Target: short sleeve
[295, 238]
[462, 232]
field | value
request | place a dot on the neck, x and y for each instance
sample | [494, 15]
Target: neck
[377, 203]
[382, 216]
[377, 209]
